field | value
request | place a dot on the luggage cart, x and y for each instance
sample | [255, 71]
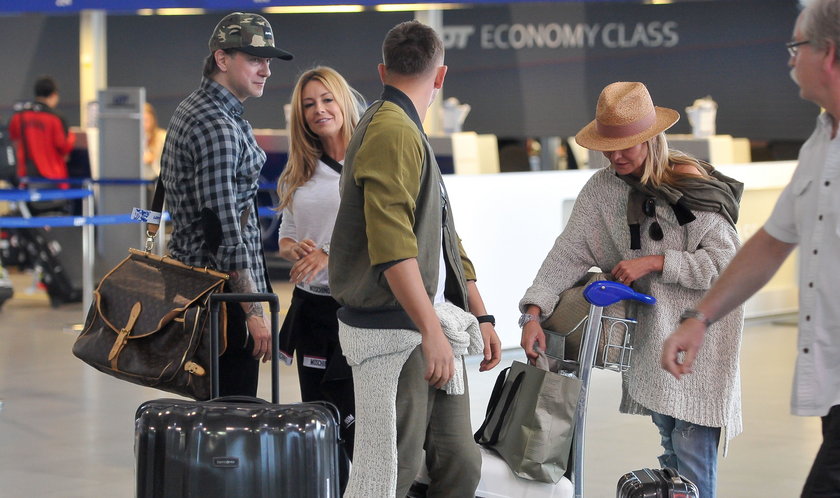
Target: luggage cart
[614, 351]
[599, 294]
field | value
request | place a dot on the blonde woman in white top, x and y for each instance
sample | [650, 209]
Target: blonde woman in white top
[324, 112]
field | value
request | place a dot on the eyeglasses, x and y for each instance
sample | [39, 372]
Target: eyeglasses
[793, 46]
[655, 230]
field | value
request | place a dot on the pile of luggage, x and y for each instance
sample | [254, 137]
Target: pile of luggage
[6, 289]
[37, 250]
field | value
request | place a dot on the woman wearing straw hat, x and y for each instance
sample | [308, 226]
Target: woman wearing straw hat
[663, 222]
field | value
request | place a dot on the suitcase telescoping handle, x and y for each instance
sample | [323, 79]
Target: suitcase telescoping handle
[274, 307]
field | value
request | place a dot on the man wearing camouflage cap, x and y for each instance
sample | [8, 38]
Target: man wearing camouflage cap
[210, 168]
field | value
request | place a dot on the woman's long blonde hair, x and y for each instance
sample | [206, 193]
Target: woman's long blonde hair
[152, 137]
[660, 161]
[305, 147]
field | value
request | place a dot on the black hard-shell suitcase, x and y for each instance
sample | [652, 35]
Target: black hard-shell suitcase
[655, 483]
[237, 446]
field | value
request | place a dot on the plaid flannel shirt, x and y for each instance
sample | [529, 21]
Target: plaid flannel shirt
[211, 164]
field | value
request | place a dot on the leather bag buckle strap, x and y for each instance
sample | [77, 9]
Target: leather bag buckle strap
[122, 337]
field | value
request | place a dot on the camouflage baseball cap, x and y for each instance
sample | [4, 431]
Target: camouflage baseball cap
[249, 33]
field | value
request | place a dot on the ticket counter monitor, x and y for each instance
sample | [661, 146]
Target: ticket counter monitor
[120, 126]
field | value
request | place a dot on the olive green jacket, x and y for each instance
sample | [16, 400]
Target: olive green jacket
[393, 207]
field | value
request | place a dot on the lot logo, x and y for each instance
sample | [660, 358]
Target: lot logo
[457, 36]
[556, 35]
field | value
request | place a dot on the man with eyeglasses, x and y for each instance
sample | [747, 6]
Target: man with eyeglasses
[807, 215]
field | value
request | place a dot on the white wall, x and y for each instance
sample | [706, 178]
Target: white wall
[508, 223]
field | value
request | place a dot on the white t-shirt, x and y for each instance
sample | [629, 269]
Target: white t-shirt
[311, 215]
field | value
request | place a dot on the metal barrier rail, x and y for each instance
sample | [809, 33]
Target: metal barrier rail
[36, 195]
[87, 181]
[78, 221]
[21, 196]
[64, 221]
[114, 181]
[86, 222]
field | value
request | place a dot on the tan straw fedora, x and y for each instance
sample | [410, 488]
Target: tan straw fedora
[625, 117]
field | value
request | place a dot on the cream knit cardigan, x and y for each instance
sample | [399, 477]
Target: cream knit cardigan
[377, 357]
[597, 235]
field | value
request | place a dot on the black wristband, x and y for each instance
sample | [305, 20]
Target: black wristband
[486, 319]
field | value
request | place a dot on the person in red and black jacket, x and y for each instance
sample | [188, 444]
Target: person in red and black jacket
[42, 137]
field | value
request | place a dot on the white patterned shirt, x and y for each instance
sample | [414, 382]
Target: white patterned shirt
[808, 214]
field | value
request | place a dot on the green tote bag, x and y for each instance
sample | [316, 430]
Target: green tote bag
[530, 421]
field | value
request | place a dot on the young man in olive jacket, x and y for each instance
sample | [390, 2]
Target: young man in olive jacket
[395, 256]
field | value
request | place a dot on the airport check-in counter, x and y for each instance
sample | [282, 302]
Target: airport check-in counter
[464, 153]
[457, 153]
[508, 221]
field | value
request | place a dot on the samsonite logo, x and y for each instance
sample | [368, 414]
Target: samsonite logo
[226, 462]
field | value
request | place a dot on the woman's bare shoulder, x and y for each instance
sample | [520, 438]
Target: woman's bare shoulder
[688, 169]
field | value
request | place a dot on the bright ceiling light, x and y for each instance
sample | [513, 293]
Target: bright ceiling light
[413, 7]
[179, 12]
[313, 9]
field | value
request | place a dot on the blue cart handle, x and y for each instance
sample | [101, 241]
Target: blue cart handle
[604, 293]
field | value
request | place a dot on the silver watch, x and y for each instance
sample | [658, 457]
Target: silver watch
[326, 248]
[697, 315]
[527, 317]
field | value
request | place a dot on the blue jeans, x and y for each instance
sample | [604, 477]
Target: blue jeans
[690, 449]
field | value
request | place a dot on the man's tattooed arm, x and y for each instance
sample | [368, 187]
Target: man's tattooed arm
[241, 282]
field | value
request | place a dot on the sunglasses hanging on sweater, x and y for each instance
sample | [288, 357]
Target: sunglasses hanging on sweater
[649, 208]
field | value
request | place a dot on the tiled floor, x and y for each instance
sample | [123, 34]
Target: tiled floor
[66, 430]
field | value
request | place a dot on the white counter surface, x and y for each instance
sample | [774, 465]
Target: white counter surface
[509, 221]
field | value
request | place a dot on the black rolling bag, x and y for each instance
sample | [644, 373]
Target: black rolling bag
[655, 483]
[38, 248]
[6, 289]
[237, 446]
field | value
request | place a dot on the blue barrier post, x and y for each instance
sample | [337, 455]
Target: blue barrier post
[88, 256]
